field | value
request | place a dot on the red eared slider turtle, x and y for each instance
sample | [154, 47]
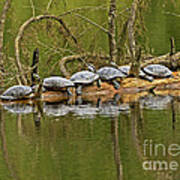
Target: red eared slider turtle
[126, 68]
[157, 71]
[17, 92]
[84, 78]
[111, 74]
[57, 83]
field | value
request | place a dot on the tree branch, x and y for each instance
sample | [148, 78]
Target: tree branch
[19, 36]
[49, 5]
[33, 8]
[92, 22]
[67, 59]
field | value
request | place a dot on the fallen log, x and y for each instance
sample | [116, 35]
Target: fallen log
[171, 61]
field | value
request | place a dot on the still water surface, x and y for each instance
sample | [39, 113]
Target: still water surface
[100, 140]
[88, 140]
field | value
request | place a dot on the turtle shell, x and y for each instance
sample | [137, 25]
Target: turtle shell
[124, 69]
[17, 92]
[84, 77]
[110, 73]
[157, 70]
[56, 83]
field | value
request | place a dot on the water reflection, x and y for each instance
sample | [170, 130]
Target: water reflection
[56, 109]
[82, 143]
[155, 102]
[19, 108]
[82, 107]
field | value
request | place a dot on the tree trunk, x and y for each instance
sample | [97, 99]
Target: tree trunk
[134, 71]
[112, 31]
[2, 25]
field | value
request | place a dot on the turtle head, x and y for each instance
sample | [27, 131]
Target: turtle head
[112, 63]
[91, 68]
[36, 77]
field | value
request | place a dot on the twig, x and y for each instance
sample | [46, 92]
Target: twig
[173, 48]
[33, 8]
[82, 9]
[172, 14]
[49, 5]
[92, 22]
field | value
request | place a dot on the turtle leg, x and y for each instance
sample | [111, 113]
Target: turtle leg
[79, 100]
[98, 83]
[149, 78]
[69, 92]
[98, 103]
[116, 84]
[116, 98]
[79, 90]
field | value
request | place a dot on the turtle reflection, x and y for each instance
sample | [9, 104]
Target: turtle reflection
[113, 107]
[56, 109]
[19, 108]
[155, 102]
[109, 107]
[84, 108]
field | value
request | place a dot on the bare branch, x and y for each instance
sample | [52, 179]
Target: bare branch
[67, 59]
[172, 14]
[92, 22]
[49, 5]
[33, 8]
[20, 35]
[82, 9]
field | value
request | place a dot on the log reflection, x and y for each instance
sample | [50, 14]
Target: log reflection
[115, 139]
[10, 167]
[137, 127]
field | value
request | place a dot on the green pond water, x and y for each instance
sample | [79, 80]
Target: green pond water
[103, 141]
[90, 141]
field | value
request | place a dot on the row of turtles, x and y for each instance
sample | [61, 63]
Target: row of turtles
[85, 78]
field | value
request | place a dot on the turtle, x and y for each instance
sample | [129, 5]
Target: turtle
[17, 92]
[57, 83]
[111, 74]
[84, 78]
[126, 68]
[157, 71]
